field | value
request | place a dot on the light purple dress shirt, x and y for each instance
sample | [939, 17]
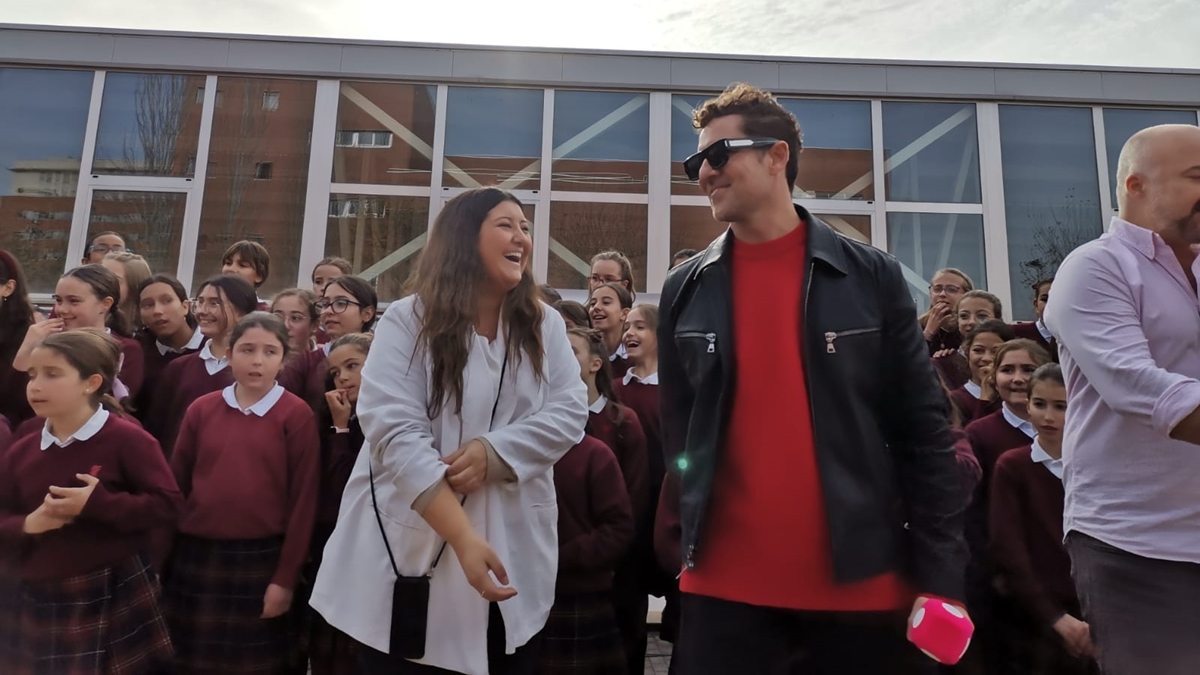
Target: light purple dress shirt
[1128, 326]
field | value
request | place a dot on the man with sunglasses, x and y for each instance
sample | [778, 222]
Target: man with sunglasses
[821, 503]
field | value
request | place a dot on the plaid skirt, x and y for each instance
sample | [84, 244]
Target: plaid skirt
[213, 599]
[105, 622]
[581, 637]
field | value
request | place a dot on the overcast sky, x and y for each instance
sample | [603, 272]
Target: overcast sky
[1158, 33]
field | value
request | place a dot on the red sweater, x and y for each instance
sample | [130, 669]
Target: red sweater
[187, 380]
[767, 538]
[642, 399]
[628, 442]
[306, 375]
[992, 436]
[250, 477]
[971, 408]
[155, 362]
[1027, 536]
[595, 523]
[136, 494]
[339, 453]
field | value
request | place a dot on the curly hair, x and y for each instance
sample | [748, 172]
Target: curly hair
[761, 114]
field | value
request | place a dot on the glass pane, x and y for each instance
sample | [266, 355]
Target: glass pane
[1051, 195]
[579, 231]
[43, 114]
[926, 242]
[683, 142]
[384, 134]
[380, 236]
[693, 227]
[856, 227]
[151, 223]
[1121, 123]
[149, 124]
[931, 152]
[237, 203]
[601, 141]
[493, 137]
[836, 157]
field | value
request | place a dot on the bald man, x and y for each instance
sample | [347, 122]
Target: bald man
[1127, 317]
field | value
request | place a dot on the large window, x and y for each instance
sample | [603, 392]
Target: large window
[580, 230]
[261, 121]
[931, 152]
[150, 222]
[43, 114]
[601, 141]
[493, 137]
[149, 124]
[382, 237]
[384, 134]
[1051, 195]
[927, 242]
[1122, 123]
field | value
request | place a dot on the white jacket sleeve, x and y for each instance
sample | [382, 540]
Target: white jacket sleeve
[391, 405]
[531, 446]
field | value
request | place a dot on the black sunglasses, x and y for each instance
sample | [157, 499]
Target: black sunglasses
[718, 153]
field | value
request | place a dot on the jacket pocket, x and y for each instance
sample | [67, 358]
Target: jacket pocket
[832, 337]
[697, 354]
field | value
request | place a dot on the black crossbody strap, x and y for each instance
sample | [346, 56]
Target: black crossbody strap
[371, 472]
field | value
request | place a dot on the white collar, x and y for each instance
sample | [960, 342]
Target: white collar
[326, 347]
[261, 408]
[620, 353]
[652, 378]
[1045, 332]
[193, 344]
[90, 428]
[598, 406]
[1039, 455]
[973, 389]
[211, 363]
[1017, 423]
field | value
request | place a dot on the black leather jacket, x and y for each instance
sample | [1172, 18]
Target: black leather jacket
[884, 452]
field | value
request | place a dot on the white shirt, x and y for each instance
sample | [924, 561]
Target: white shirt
[1024, 426]
[652, 378]
[90, 428]
[973, 389]
[536, 423]
[211, 363]
[598, 406]
[261, 408]
[1039, 455]
[1045, 332]
[193, 344]
[620, 352]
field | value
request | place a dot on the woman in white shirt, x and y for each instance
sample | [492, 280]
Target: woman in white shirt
[468, 394]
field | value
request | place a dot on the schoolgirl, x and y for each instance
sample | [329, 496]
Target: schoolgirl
[977, 397]
[952, 365]
[574, 314]
[297, 307]
[220, 304]
[1027, 538]
[251, 261]
[131, 271]
[939, 323]
[347, 306]
[90, 297]
[612, 267]
[78, 503]
[608, 305]
[326, 271]
[169, 331]
[1036, 330]
[16, 317]
[247, 461]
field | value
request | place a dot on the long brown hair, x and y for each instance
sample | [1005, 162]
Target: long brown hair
[447, 280]
[90, 351]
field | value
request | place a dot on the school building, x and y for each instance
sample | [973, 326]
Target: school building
[185, 143]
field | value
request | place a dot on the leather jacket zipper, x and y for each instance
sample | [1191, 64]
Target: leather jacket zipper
[831, 336]
[711, 337]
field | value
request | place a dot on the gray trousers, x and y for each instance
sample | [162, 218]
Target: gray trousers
[1144, 613]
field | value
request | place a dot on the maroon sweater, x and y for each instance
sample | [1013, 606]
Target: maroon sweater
[250, 477]
[339, 453]
[136, 494]
[305, 376]
[1029, 331]
[971, 408]
[14, 404]
[186, 380]
[953, 368]
[5, 433]
[1026, 539]
[643, 400]
[133, 367]
[944, 339]
[628, 443]
[154, 363]
[595, 523]
[992, 436]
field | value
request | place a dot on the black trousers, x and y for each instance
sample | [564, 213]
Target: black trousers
[522, 662]
[1144, 613]
[718, 637]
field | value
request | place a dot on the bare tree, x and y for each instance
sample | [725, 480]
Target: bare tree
[1063, 228]
[244, 148]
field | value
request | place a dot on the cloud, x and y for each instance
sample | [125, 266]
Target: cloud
[1158, 33]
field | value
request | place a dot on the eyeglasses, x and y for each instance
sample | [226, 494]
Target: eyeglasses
[718, 153]
[948, 290]
[210, 304]
[596, 280]
[337, 306]
[106, 249]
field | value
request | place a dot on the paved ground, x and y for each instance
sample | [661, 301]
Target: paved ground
[658, 656]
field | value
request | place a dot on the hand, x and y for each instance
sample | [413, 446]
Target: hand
[943, 352]
[937, 318]
[68, 503]
[477, 559]
[40, 521]
[339, 408]
[986, 391]
[41, 331]
[1077, 636]
[276, 602]
[468, 467]
[920, 602]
